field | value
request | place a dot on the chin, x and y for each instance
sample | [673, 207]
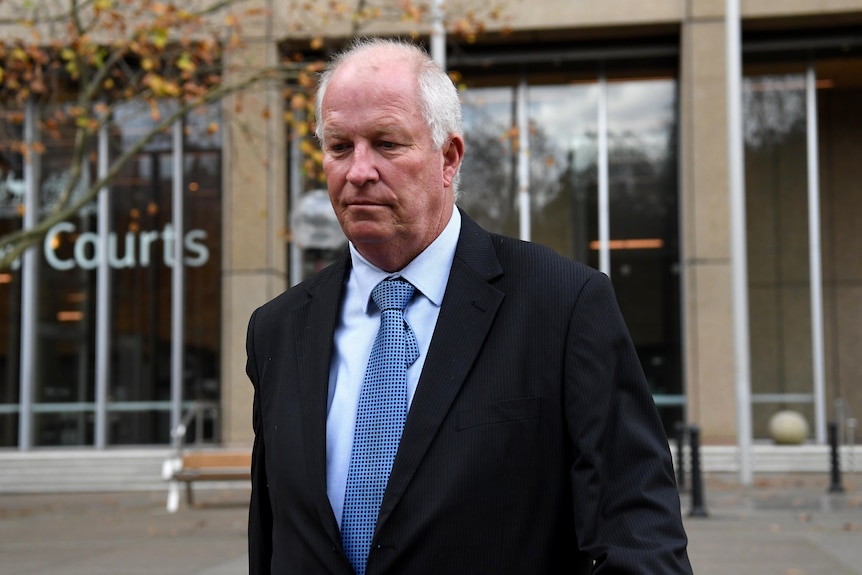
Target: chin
[367, 233]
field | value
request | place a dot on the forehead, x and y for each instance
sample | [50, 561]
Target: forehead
[369, 94]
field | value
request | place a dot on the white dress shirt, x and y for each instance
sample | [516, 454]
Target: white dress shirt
[354, 336]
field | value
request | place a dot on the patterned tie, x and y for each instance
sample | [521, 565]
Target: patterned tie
[379, 420]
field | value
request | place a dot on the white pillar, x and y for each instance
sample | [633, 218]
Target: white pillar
[604, 180]
[738, 256]
[523, 120]
[103, 299]
[30, 285]
[438, 34]
[177, 282]
[815, 271]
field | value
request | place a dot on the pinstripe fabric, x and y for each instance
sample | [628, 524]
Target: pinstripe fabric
[532, 445]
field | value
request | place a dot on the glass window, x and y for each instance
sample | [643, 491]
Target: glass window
[140, 258]
[777, 230]
[64, 369]
[142, 262]
[11, 210]
[489, 175]
[776, 172]
[644, 216]
[564, 182]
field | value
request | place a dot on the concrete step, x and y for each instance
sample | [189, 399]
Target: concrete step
[771, 458]
[82, 470]
[140, 469]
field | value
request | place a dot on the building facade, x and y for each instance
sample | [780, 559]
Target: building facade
[599, 129]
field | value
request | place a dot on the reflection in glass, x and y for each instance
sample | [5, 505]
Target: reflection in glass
[644, 218]
[11, 203]
[65, 360]
[563, 168]
[488, 185]
[141, 274]
[140, 258]
[777, 229]
[563, 159]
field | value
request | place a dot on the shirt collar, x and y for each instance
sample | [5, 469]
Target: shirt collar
[428, 272]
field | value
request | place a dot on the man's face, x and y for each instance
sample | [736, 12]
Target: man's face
[391, 190]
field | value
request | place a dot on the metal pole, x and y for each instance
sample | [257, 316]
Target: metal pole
[738, 256]
[296, 185]
[815, 270]
[103, 300]
[523, 161]
[438, 35]
[835, 485]
[604, 181]
[30, 284]
[681, 432]
[178, 282]
[698, 508]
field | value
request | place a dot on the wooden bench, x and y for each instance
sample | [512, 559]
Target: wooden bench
[207, 466]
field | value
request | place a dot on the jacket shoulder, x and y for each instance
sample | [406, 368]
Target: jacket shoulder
[540, 262]
[298, 295]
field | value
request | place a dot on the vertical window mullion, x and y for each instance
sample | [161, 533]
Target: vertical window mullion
[604, 185]
[177, 280]
[815, 269]
[523, 161]
[30, 283]
[103, 298]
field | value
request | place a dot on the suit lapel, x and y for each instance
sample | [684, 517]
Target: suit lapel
[313, 330]
[466, 315]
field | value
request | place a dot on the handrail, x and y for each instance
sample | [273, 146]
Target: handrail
[197, 412]
[846, 430]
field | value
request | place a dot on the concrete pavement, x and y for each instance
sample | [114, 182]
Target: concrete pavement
[783, 525]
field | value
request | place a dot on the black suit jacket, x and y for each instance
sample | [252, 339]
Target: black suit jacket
[532, 444]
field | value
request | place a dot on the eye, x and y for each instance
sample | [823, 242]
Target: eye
[337, 147]
[385, 145]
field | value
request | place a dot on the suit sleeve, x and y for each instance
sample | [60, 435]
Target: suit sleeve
[260, 510]
[626, 504]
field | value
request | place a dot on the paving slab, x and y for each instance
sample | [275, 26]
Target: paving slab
[781, 525]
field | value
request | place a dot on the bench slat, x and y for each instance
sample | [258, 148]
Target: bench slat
[213, 475]
[221, 460]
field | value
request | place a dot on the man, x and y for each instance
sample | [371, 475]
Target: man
[531, 443]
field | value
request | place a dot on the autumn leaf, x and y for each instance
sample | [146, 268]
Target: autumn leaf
[159, 38]
[184, 62]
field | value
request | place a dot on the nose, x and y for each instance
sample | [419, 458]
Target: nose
[363, 167]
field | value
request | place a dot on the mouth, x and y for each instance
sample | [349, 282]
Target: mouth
[361, 201]
[364, 204]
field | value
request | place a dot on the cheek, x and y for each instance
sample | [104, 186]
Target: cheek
[334, 196]
[331, 168]
[334, 181]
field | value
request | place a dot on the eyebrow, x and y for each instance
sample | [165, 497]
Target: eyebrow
[383, 129]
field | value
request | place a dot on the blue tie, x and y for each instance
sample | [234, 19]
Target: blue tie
[379, 420]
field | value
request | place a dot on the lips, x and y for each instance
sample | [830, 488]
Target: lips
[361, 203]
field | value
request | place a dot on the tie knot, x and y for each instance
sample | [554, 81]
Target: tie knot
[392, 294]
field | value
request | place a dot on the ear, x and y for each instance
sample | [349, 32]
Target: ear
[453, 153]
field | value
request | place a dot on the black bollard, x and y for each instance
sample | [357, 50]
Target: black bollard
[835, 462]
[697, 507]
[680, 429]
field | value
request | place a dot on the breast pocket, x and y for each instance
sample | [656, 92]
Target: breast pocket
[517, 409]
